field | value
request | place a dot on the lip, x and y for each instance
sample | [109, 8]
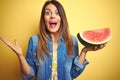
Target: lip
[52, 23]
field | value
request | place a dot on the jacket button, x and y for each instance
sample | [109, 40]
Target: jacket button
[34, 54]
[50, 66]
[51, 54]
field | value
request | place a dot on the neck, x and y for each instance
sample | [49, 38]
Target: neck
[54, 37]
[55, 45]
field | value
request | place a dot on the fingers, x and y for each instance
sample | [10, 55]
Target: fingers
[5, 41]
[2, 38]
[16, 48]
[95, 48]
[9, 44]
[99, 47]
[16, 43]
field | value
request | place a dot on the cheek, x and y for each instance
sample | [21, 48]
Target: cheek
[46, 21]
[59, 20]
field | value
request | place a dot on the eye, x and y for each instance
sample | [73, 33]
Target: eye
[47, 12]
[57, 13]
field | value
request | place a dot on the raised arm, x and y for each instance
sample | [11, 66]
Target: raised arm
[25, 68]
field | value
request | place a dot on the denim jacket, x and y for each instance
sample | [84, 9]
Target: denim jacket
[68, 68]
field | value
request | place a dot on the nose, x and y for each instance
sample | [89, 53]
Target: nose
[52, 15]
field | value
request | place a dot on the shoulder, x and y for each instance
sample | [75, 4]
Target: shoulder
[34, 40]
[34, 37]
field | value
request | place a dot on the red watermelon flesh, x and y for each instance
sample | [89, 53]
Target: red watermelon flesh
[95, 37]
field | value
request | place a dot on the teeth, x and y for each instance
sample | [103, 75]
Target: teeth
[52, 22]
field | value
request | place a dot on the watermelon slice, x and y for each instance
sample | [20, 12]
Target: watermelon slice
[95, 37]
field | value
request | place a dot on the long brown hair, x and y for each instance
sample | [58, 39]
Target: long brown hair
[63, 31]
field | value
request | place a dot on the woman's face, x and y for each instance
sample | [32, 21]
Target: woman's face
[52, 18]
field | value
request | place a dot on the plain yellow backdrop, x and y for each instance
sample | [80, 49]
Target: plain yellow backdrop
[19, 19]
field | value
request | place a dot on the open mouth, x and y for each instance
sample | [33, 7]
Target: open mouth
[52, 24]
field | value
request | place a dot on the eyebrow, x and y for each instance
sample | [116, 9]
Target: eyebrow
[47, 9]
[50, 9]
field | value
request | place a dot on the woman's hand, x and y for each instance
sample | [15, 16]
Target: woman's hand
[15, 47]
[93, 48]
[86, 49]
[25, 67]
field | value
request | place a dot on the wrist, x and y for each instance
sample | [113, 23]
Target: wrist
[84, 51]
[19, 55]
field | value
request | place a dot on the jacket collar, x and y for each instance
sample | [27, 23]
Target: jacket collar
[61, 39]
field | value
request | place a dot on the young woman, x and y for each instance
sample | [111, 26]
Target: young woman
[53, 53]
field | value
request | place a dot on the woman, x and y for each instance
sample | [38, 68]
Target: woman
[53, 53]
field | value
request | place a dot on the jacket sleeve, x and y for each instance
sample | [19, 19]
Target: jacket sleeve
[30, 60]
[77, 68]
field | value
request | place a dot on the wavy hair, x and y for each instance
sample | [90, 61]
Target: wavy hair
[63, 31]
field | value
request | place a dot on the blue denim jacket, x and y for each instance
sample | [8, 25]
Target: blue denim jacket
[68, 68]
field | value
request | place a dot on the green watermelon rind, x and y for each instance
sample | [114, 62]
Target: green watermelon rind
[87, 42]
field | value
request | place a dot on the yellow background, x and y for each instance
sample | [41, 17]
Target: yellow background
[19, 19]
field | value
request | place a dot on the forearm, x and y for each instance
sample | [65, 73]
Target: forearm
[17, 49]
[25, 67]
[79, 64]
[82, 56]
